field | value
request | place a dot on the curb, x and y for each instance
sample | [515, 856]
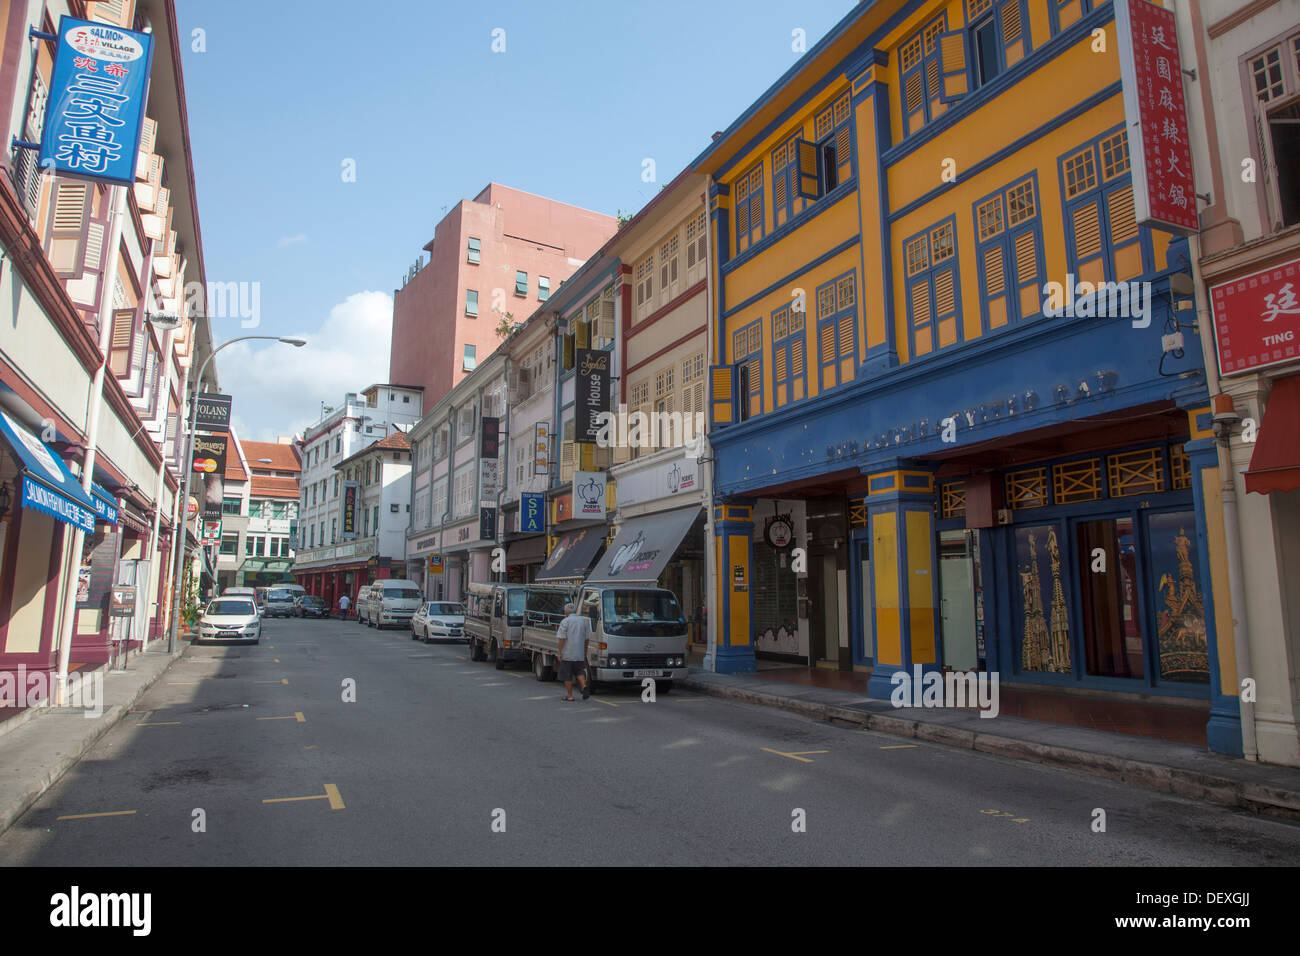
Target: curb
[1209, 787]
[71, 756]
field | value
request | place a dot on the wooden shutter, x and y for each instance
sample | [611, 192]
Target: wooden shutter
[1087, 232]
[117, 12]
[954, 75]
[568, 461]
[119, 348]
[605, 328]
[67, 228]
[721, 394]
[846, 335]
[1012, 33]
[944, 294]
[809, 180]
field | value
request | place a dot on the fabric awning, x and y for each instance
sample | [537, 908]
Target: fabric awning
[1275, 462]
[526, 550]
[47, 486]
[573, 554]
[105, 503]
[643, 547]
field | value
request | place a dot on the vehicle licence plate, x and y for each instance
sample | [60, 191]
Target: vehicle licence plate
[654, 673]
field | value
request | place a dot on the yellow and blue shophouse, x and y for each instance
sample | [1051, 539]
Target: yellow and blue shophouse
[936, 444]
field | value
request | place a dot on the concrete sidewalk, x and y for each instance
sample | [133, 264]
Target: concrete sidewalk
[1155, 764]
[38, 746]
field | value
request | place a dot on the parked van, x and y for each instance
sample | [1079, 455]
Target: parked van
[636, 632]
[362, 602]
[494, 619]
[390, 602]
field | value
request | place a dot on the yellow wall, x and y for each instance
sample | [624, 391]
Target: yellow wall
[30, 572]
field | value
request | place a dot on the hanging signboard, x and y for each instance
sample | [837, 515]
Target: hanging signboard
[541, 449]
[1257, 318]
[213, 412]
[591, 393]
[1160, 153]
[95, 110]
[350, 491]
[209, 465]
[532, 512]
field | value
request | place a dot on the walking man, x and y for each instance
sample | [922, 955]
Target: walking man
[574, 632]
[344, 603]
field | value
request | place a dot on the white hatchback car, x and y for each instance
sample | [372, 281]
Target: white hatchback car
[231, 618]
[438, 621]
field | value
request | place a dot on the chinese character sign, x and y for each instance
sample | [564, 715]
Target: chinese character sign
[95, 109]
[350, 491]
[1164, 194]
[1257, 318]
[541, 449]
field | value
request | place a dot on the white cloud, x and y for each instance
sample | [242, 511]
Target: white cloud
[291, 240]
[278, 389]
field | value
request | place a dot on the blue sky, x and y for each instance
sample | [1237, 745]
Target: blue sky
[283, 93]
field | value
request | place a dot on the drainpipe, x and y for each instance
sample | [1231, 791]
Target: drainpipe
[711, 583]
[1231, 525]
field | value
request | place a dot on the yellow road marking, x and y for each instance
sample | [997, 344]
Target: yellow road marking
[900, 747]
[275, 661]
[797, 755]
[184, 683]
[512, 674]
[605, 702]
[331, 794]
[282, 680]
[87, 816]
[160, 723]
[311, 747]
[296, 715]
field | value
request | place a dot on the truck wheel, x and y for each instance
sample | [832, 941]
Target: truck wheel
[540, 670]
[497, 657]
[476, 651]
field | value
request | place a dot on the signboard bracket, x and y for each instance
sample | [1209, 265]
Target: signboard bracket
[36, 34]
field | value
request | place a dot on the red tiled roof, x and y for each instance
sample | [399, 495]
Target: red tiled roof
[273, 487]
[395, 440]
[234, 470]
[283, 457]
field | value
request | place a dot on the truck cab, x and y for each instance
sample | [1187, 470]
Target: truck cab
[636, 632]
[494, 620]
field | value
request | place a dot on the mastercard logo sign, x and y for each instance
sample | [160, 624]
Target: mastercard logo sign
[205, 464]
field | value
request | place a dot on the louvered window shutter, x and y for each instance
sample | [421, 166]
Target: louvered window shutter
[721, 394]
[67, 228]
[119, 349]
[1013, 40]
[116, 12]
[809, 180]
[606, 330]
[955, 76]
[568, 461]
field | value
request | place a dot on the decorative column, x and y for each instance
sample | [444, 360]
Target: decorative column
[904, 569]
[733, 530]
[1223, 732]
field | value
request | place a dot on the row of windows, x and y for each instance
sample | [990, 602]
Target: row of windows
[521, 290]
[275, 510]
[256, 546]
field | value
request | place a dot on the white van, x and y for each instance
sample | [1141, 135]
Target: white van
[390, 602]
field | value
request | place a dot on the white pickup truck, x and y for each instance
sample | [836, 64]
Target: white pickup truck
[636, 632]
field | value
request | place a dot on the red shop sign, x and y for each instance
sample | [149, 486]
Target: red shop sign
[1257, 318]
[1164, 194]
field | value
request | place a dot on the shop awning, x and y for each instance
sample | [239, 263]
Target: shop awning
[1275, 462]
[573, 554]
[643, 547]
[47, 484]
[526, 550]
[105, 503]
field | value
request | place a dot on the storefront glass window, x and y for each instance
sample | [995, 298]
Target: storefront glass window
[1112, 618]
[1177, 598]
[1044, 634]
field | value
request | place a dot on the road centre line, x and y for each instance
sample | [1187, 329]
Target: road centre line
[296, 715]
[87, 816]
[331, 794]
[796, 755]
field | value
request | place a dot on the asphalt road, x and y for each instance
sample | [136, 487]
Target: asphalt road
[441, 761]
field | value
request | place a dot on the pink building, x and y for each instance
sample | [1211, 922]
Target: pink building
[504, 251]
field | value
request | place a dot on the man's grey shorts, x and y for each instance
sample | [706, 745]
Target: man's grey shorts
[569, 670]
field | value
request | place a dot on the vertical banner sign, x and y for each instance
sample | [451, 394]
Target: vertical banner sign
[1257, 318]
[1164, 194]
[214, 412]
[591, 393]
[211, 531]
[95, 111]
[532, 512]
[350, 489]
[487, 524]
[541, 449]
[489, 447]
[209, 464]
[435, 564]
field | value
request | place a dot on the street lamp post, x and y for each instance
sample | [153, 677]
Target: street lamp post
[188, 465]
